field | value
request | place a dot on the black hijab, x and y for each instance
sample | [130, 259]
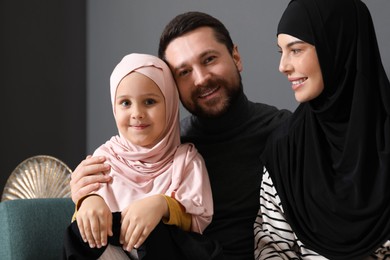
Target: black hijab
[331, 161]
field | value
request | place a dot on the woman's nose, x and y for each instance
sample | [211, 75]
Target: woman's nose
[284, 65]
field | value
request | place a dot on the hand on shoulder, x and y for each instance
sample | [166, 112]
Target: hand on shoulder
[87, 177]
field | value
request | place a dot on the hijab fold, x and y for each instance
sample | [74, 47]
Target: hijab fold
[331, 161]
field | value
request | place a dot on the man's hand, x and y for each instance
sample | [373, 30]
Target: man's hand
[140, 218]
[87, 177]
[94, 220]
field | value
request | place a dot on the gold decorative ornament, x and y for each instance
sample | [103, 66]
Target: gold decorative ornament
[40, 176]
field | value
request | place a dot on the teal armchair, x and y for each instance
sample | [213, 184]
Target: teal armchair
[34, 228]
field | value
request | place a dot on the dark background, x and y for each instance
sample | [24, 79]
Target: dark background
[43, 81]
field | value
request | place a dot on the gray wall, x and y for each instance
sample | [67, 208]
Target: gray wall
[116, 28]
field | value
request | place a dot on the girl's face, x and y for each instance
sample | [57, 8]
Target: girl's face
[299, 62]
[140, 110]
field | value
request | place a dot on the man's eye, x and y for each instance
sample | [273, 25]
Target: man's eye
[183, 73]
[209, 59]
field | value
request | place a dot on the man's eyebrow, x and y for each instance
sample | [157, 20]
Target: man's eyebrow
[202, 55]
[208, 52]
[178, 67]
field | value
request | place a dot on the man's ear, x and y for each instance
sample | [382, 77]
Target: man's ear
[237, 58]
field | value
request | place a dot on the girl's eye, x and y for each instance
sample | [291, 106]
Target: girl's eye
[150, 102]
[125, 103]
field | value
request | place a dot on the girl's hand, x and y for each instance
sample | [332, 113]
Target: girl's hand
[94, 220]
[140, 218]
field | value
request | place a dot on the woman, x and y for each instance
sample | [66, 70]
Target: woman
[325, 191]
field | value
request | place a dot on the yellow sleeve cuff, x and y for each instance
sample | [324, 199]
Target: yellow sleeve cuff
[177, 215]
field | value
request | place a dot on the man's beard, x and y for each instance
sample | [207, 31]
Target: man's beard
[215, 107]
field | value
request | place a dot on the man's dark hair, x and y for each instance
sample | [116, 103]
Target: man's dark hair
[190, 21]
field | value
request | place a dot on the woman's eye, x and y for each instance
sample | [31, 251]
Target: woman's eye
[296, 51]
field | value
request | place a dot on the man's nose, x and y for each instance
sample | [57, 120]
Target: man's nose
[202, 76]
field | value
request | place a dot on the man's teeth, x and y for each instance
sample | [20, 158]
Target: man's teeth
[208, 92]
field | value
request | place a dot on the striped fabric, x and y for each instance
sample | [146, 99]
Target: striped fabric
[274, 238]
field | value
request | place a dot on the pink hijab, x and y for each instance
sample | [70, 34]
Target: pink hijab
[170, 168]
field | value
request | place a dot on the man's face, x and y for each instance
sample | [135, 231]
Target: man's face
[206, 74]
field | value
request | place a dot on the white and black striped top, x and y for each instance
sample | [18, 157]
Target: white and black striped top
[274, 238]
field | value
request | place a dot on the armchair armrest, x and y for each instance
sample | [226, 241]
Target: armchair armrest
[34, 228]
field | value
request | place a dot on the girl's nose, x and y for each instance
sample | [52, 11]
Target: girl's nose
[137, 112]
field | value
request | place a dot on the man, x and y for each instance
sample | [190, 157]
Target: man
[228, 130]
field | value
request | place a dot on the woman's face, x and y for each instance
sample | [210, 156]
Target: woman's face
[299, 62]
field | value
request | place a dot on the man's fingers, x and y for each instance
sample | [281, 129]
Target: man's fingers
[87, 176]
[82, 192]
[91, 165]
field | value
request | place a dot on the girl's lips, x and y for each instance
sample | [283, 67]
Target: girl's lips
[139, 127]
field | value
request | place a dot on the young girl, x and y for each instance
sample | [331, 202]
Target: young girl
[325, 190]
[154, 177]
